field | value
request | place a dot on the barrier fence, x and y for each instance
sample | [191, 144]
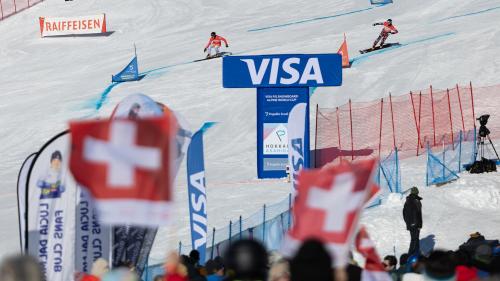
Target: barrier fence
[408, 123]
[11, 7]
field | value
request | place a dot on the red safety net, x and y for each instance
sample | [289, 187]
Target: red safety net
[11, 7]
[409, 122]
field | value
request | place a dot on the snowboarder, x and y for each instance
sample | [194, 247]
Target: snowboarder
[412, 215]
[388, 29]
[214, 42]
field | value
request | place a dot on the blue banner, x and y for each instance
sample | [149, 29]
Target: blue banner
[289, 70]
[197, 196]
[273, 107]
[129, 73]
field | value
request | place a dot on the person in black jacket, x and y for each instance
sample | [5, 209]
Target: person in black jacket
[412, 214]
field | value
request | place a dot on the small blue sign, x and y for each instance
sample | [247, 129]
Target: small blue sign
[291, 70]
[273, 107]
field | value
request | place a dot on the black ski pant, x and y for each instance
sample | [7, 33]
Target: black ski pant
[383, 36]
[415, 241]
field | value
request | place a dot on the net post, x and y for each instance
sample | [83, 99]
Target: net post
[380, 127]
[392, 118]
[230, 231]
[180, 248]
[460, 105]
[451, 120]
[213, 244]
[15, 6]
[352, 138]
[289, 210]
[460, 153]
[264, 225]
[417, 125]
[338, 133]
[433, 118]
[240, 228]
[472, 101]
[316, 137]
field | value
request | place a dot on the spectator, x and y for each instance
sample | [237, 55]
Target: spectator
[463, 270]
[215, 270]
[312, 262]
[403, 260]
[280, 271]
[390, 263]
[247, 259]
[99, 268]
[412, 214]
[175, 270]
[440, 265]
[21, 268]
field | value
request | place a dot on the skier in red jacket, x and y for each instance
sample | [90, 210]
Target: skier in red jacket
[388, 29]
[214, 43]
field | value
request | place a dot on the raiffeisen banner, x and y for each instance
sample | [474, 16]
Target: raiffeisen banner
[57, 26]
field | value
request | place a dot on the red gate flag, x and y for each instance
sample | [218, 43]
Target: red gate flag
[374, 271]
[328, 206]
[126, 166]
[345, 55]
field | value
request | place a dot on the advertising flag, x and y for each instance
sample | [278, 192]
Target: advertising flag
[345, 54]
[327, 207]
[129, 73]
[197, 194]
[51, 213]
[21, 198]
[296, 142]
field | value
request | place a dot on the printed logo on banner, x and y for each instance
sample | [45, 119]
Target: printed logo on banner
[275, 139]
[50, 183]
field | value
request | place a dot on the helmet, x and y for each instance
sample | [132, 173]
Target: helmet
[389, 20]
[212, 34]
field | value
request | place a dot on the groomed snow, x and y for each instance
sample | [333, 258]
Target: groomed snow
[46, 82]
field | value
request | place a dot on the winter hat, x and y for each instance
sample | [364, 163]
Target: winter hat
[475, 235]
[414, 190]
[99, 267]
[247, 259]
[312, 262]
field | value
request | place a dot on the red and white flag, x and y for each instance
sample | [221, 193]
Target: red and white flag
[126, 166]
[328, 206]
[374, 271]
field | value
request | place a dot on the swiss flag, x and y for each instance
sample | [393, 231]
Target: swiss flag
[125, 164]
[374, 271]
[328, 206]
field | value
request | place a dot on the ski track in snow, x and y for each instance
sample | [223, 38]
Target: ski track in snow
[470, 14]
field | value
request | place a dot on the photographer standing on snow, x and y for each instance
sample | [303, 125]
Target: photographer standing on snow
[412, 214]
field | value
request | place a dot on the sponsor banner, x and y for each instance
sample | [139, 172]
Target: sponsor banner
[92, 240]
[273, 107]
[57, 26]
[21, 198]
[51, 211]
[291, 70]
[297, 155]
[129, 73]
[197, 194]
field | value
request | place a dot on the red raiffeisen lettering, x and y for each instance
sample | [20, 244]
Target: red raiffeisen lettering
[73, 25]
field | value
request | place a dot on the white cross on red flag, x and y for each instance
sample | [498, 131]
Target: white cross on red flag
[328, 206]
[374, 271]
[126, 166]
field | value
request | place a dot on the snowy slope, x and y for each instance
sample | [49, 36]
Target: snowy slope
[47, 82]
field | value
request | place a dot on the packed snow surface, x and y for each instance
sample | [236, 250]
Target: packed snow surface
[47, 81]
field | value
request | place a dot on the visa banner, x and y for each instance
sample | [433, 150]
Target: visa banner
[57, 26]
[197, 194]
[290, 70]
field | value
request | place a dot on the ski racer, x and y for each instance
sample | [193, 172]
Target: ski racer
[214, 43]
[388, 29]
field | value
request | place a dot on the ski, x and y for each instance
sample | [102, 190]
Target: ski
[388, 45]
[220, 55]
